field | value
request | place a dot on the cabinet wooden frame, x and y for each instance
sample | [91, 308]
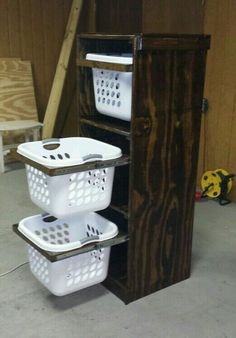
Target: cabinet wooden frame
[162, 141]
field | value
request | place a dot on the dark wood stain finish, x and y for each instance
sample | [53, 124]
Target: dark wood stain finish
[157, 189]
[154, 184]
[165, 139]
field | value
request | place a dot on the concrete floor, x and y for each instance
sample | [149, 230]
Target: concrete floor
[203, 306]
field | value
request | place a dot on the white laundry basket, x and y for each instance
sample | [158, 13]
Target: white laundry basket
[73, 273]
[70, 193]
[112, 89]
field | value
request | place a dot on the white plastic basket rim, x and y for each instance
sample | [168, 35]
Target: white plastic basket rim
[124, 59]
[25, 230]
[85, 150]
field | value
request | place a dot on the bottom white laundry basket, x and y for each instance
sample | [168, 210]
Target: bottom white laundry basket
[71, 274]
[76, 272]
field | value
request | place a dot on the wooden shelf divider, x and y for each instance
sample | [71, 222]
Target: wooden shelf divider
[57, 256]
[115, 128]
[104, 65]
[123, 160]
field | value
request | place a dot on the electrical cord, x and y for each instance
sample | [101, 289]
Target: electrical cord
[13, 269]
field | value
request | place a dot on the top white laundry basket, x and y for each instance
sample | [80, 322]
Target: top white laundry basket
[112, 89]
[62, 195]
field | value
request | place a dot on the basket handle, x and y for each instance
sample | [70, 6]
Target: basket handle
[86, 240]
[51, 143]
[92, 157]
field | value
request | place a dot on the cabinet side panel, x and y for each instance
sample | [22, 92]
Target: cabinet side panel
[165, 140]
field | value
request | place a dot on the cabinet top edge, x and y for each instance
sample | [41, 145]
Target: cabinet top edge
[156, 41]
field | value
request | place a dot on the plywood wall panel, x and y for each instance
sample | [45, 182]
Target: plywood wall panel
[220, 88]
[14, 28]
[38, 57]
[173, 16]
[50, 51]
[4, 37]
[34, 30]
[26, 37]
[119, 16]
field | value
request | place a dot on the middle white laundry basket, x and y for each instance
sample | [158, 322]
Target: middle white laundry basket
[76, 272]
[62, 195]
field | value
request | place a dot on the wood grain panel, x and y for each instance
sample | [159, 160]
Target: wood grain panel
[119, 16]
[17, 98]
[173, 16]
[26, 37]
[220, 89]
[166, 122]
[34, 30]
[14, 28]
[4, 40]
[39, 57]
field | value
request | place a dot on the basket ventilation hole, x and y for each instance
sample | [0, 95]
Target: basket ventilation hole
[72, 177]
[52, 157]
[60, 156]
[67, 155]
[49, 219]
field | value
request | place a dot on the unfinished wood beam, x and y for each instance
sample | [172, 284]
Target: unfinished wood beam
[61, 70]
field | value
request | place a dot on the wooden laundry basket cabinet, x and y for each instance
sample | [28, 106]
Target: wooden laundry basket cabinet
[153, 195]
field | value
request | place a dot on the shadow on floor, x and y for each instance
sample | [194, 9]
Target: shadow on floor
[77, 298]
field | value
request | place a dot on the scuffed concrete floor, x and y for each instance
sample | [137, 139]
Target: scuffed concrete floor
[203, 306]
